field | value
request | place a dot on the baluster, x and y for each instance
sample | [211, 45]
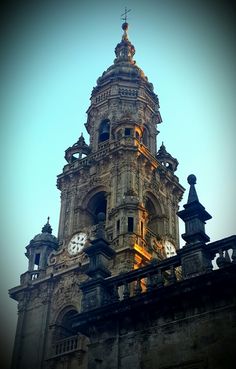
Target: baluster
[172, 277]
[159, 280]
[149, 283]
[126, 292]
[227, 257]
[234, 254]
[138, 288]
[115, 294]
[221, 261]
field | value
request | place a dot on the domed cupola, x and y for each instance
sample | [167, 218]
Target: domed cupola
[124, 66]
[40, 247]
[124, 50]
[123, 102]
[77, 151]
[166, 159]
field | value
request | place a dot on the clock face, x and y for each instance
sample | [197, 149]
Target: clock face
[169, 249]
[77, 243]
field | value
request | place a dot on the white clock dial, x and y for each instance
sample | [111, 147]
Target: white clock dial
[169, 249]
[77, 243]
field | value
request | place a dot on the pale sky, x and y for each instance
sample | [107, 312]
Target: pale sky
[52, 57]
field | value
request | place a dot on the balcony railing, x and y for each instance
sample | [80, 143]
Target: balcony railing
[146, 279]
[31, 276]
[65, 346]
[166, 272]
[188, 263]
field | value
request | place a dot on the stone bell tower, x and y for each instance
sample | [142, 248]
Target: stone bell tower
[119, 186]
[120, 173]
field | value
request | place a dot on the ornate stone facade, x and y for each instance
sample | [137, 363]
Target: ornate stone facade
[118, 222]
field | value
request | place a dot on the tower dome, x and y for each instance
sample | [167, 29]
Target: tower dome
[124, 67]
[45, 235]
[123, 101]
[40, 247]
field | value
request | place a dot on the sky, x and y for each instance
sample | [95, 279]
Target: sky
[52, 55]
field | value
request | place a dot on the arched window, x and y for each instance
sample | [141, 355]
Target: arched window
[96, 205]
[104, 130]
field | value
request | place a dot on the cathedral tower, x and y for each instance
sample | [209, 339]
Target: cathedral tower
[117, 182]
[120, 173]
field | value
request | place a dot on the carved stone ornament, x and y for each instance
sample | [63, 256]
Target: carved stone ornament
[57, 257]
[39, 295]
[156, 245]
[63, 258]
[66, 291]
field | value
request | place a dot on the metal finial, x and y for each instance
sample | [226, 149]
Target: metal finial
[192, 196]
[47, 228]
[124, 15]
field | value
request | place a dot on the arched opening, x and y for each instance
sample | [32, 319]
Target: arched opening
[65, 328]
[151, 215]
[155, 218]
[145, 137]
[67, 339]
[78, 155]
[167, 165]
[137, 135]
[36, 261]
[97, 204]
[104, 130]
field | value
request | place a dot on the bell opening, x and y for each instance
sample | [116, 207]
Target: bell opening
[104, 130]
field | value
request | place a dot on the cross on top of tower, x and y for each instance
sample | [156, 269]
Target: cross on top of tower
[124, 15]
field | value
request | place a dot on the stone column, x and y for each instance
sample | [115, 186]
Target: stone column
[99, 253]
[194, 257]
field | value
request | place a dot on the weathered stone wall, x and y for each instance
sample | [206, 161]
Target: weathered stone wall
[190, 325]
[30, 342]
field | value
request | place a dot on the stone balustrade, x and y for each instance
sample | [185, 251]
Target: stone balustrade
[31, 276]
[104, 148]
[223, 251]
[143, 280]
[160, 274]
[65, 346]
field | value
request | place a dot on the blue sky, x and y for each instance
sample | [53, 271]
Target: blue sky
[53, 56]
